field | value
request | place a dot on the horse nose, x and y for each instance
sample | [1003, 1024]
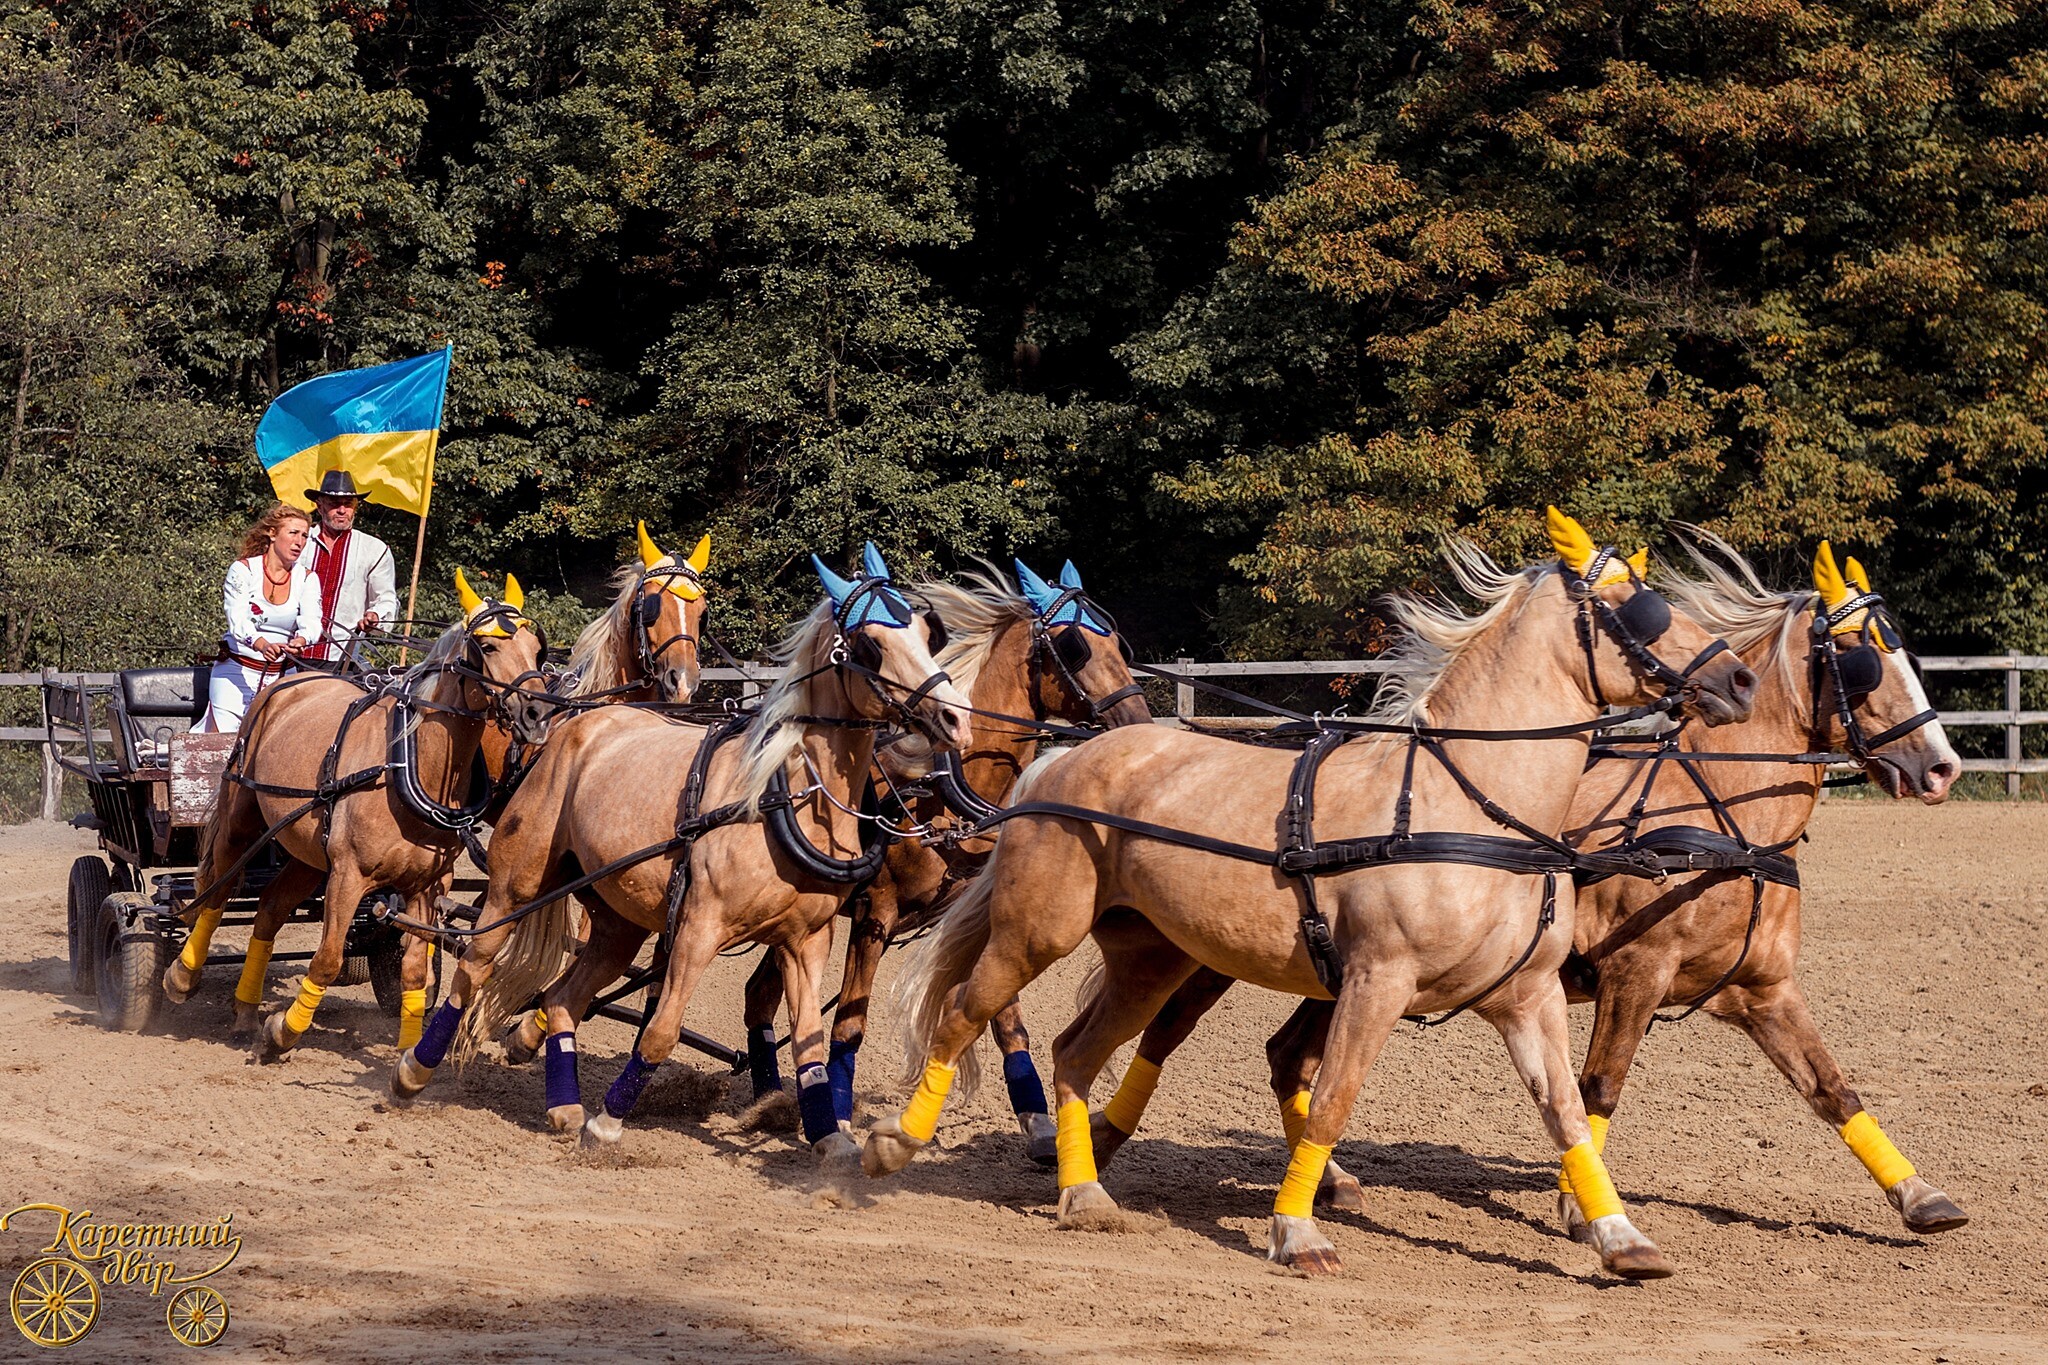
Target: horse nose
[1742, 686]
[1934, 786]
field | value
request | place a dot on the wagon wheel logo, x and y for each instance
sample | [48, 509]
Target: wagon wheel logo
[197, 1316]
[55, 1301]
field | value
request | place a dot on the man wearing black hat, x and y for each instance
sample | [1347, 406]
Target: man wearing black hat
[358, 585]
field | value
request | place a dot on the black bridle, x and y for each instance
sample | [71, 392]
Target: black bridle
[1856, 671]
[647, 611]
[1070, 650]
[1633, 626]
[855, 654]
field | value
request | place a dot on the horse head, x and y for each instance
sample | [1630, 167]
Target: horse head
[884, 650]
[1083, 651]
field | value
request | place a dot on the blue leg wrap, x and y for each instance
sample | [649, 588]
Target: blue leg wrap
[432, 1048]
[625, 1091]
[761, 1061]
[839, 1066]
[1027, 1096]
[814, 1102]
[560, 1052]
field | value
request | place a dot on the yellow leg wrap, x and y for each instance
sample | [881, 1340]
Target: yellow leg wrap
[540, 1020]
[200, 939]
[921, 1116]
[1294, 1117]
[412, 1016]
[1875, 1150]
[1127, 1106]
[1591, 1185]
[299, 1017]
[1297, 1197]
[1076, 1145]
[249, 990]
[1598, 1124]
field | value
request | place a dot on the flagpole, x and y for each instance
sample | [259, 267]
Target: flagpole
[419, 545]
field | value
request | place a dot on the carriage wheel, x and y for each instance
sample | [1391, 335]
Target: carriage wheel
[55, 1302]
[387, 968]
[197, 1316]
[131, 962]
[90, 884]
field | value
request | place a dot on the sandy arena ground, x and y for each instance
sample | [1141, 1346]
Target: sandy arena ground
[462, 1230]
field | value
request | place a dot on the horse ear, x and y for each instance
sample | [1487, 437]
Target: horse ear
[1640, 562]
[650, 553]
[1070, 577]
[700, 558]
[1570, 540]
[1036, 590]
[515, 596]
[871, 562]
[836, 587]
[466, 595]
[1855, 574]
[1827, 579]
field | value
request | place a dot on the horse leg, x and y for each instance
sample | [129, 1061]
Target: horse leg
[294, 882]
[1293, 1056]
[764, 991]
[1020, 1078]
[611, 943]
[416, 969]
[867, 938]
[1532, 1024]
[1367, 1008]
[281, 1032]
[1776, 1019]
[802, 967]
[230, 836]
[524, 1038]
[1141, 969]
[1630, 989]
[1114, 1124]
[696, 947]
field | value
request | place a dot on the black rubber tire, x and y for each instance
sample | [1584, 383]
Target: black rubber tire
[131, 962]
[91, 883]
[387, 968]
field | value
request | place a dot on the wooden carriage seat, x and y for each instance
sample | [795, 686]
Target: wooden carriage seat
[151, 704]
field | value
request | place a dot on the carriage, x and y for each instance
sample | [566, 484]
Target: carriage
[152, 782]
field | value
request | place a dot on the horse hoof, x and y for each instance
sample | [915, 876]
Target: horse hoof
[566, 1118]
[888, 1149]
[1299, 1245]
[602, 1132]
[179, 981]
[1041, 1138]
[837, 1148]
[408, 1078]
[1083, 1204]
[517, 1053]
[1106, 1138]
[1573, 1218]
[1626, 1252]
[1340, 1190]
[247, 1017]
[275, 1040]
[1924, 1208]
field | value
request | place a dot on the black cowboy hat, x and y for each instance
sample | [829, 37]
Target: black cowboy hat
[336, 484]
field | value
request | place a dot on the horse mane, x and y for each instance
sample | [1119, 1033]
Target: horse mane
[596, 659]
[1436, 632]
[975, 611]
[772, 741]
[443, 652]
[1730, 601]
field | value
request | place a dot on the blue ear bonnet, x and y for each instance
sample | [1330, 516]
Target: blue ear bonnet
[1074, 610]
[869, 600]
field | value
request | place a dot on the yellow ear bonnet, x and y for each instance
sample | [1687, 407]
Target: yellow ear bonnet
[1640, 562]
[1827, 579]
[515, 596]
[1835, 586]
[466, 595]
[472, 604]
[651, 556]
[700, 558]
[1577, 550]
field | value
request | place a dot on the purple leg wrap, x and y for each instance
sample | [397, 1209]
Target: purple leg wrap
[814, 1102]
[839, 1067]
[432, 1048]
[1027, 1096]
[560, 1051]
[625, 1091]
[761, 1061]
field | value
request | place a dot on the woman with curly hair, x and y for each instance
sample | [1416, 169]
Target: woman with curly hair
[272, 601]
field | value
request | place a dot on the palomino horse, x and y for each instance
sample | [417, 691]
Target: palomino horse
[769, 822]
[375, 774]
[1139, 817]
[1725, 942]
[1048, 653]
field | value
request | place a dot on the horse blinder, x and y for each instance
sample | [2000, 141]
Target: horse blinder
[1072, 647]
[935, 633]
[1645, 616]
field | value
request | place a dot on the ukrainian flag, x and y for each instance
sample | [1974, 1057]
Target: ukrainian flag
[380, 424]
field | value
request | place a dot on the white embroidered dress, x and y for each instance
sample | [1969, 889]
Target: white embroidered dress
[252, 617]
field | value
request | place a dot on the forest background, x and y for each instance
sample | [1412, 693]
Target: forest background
[1242, 305]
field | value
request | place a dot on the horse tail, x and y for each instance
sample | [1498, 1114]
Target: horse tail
[935, 967]
[535, 953]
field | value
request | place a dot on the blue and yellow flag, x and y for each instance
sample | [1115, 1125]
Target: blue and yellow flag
[380, 425]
